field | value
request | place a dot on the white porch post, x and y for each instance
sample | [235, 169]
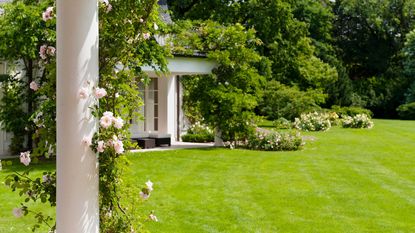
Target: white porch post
[77, 63]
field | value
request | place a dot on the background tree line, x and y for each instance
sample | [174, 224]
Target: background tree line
[322, 53]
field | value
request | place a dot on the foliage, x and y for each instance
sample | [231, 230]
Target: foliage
[199, 133]
[350, 111]
[280, 100]
[313, 121]
[274, 141]
[226, 99]
[282, 123]
[357, 121]
[407, 111]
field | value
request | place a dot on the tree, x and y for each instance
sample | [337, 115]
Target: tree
[227, 98]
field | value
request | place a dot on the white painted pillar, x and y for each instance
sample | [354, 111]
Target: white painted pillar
[171, 107]
[77, 167]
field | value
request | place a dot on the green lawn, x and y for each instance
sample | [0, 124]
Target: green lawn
[345, 180]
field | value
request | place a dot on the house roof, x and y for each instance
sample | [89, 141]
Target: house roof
[164, 12]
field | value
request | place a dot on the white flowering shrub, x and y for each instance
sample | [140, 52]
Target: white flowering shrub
[275, 141]
[313, 121]
[199, 132]
[358, 121]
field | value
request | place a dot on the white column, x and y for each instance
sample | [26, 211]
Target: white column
[167, 106]
[77, 167]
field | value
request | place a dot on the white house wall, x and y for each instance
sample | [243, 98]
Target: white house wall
[185, 66]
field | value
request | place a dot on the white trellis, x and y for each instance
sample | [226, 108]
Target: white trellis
[77, 167]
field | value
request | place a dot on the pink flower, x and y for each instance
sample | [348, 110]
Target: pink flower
[105, 121]
[109, 8]
[51, 51]
[48, 14]
[45, 178]
[144, 196]
[146, 36]
[18, 212]
[156, 27]
[25, 158]
[33, 85]
[83, 93]
[118, 122]
[141, 20]
[101, 146]
[109, 114]
[100, 92]
[153, 217]
[42, 51]
[118, 146]
[117, 95]
[149, 185]
[86, 141]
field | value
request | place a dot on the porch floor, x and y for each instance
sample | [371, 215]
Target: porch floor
[177, 146]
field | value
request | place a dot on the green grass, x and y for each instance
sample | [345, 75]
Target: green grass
[345, 180]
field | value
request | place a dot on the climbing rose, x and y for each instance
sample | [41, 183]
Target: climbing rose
[149, 185]
[33, 85]
[118, 146]
[50, 51]
[153, 217]
[105, 121]
[143, 195]
[48, 14]
[42, 51]
[83, 93]
[25, 158]
[100, 92]
[101, 146]
[118, 122]
[146, 36]
[18, 212]
[86, 141]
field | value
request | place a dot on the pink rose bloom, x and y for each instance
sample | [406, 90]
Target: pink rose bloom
[48, 14]
[109, 114]
[101, 146]
[42, 51]
[144, 196]
[25, 158]
[100, 92]
[156, 27]
[117, 95]
[153, 217]
[83, 93]
[86, 141]
[141, 20]
[146, 36]
[51, 51]
[109, 8]
[118, 146]
[33, 85]
[105, 121]
[18, 212]
[118, 122]
[149, 185]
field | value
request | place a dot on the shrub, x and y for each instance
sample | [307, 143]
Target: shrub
[281, 101]
[358, 121]
[351, 111]
[282, 123]
[313, 121]
[407, 111]
[199, 133]
[198, 138]
[274, 141]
